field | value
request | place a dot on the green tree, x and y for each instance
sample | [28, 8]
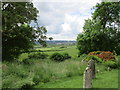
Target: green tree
[17, 34]
[50, 38]
[108, 13]
[101, 32]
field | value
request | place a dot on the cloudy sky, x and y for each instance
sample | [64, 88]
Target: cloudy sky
[63, 19]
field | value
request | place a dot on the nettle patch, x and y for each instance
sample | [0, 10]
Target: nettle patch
[104, 55]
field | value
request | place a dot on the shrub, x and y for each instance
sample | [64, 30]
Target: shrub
[89, 57]
[111, 64]
[60, 57]
[27, 61]
[118, 60]
[57, 57]
[62, 47]
[81, 57]
[66, 56]
[37, 56]
[104, 55]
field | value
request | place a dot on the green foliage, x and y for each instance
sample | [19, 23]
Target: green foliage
[17, 34]
[17, 73]
[27, 61]
[83, 55]
[45, 72]
[62, 47]
[108, 14]
[41, 71]
[37, 56]
[66, 56]
[57, 57]
[92, 57]
[60, 57]
[101, 33]
[50, 38]
[118, 60]
[111, 64]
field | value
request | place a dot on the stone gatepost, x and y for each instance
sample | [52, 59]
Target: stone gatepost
[91, 63]
[87, 83]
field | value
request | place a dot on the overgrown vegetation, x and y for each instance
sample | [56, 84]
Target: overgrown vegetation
[38, 72]
[91, 57]
[60, 57]
[31, 72]
[111, 64]
[37, 56]
[104, 55]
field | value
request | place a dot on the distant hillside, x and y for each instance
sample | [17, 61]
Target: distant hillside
[59, 42]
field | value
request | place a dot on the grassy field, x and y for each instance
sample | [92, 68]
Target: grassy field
[102, 80]
[45, 73]
[72, 50]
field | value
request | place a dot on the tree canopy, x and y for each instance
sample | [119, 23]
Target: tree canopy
[50, 38]
[17, 34]
[102, 31]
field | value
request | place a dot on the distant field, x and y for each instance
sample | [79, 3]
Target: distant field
[71, 50]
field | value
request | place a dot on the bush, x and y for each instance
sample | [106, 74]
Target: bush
[27, 61]
[66, 56]
[62, 47]
[95, 58]
[60, 57]
[81, 57]
[57, 57]
[104, 55]
[111, 64]
[118, 60]
[37, 56]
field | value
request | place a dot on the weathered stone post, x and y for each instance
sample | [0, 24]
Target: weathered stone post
[87, 83]
[91, 63]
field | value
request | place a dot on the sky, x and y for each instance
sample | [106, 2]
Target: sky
[64, 19]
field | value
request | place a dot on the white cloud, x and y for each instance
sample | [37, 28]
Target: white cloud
[63, 19]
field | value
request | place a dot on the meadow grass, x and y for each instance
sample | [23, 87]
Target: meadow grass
[39, 71]
[71, 82]
[107, 79]
[47, 73]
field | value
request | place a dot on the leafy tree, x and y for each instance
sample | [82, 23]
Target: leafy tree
[50, 38]
[108, 13]
[17, 34]
[101, 32]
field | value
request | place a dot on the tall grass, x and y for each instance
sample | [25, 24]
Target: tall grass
[19, 75]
